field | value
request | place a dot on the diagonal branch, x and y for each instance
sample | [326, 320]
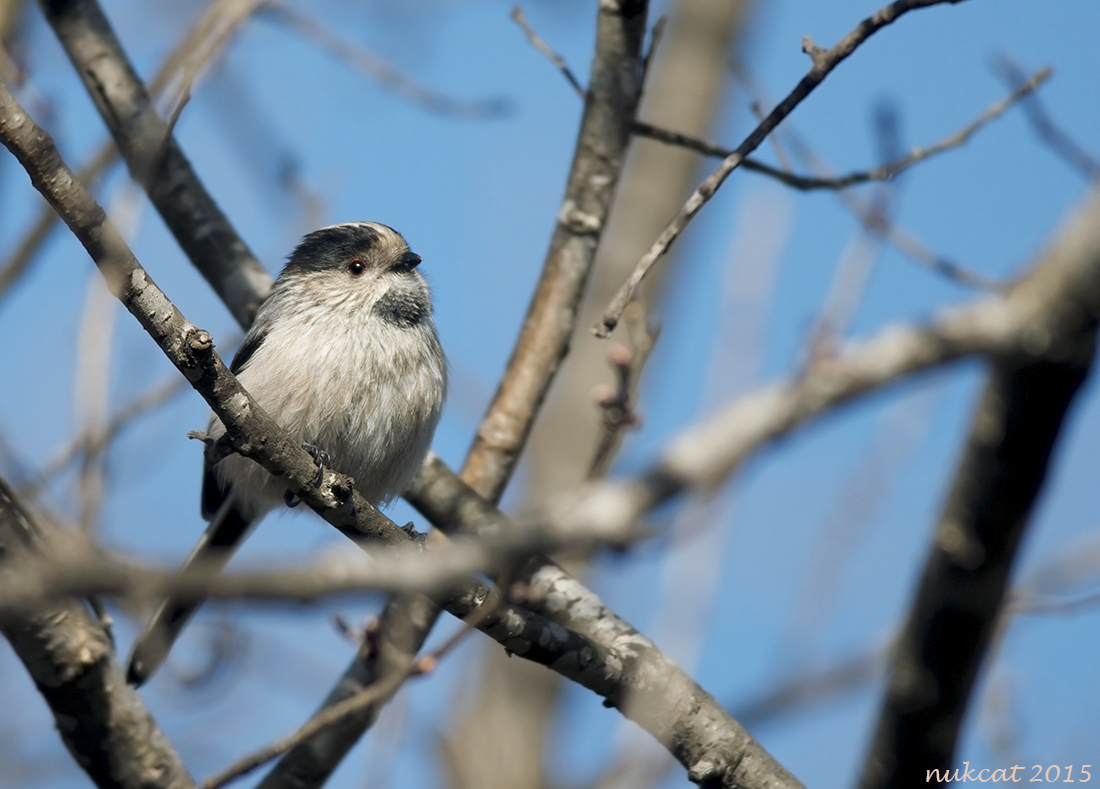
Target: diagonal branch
[949, 627]
[154, 159]
[884, 172]
[381, 72]
[612, 670]
[197, 48]
[610, 104]
[824, 61]
[71, 661]
[1050, 304]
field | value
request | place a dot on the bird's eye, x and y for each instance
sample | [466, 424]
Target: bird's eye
[356, 267]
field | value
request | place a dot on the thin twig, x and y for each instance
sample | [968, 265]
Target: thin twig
[552, 314]
[196, 221]
[349, 707]
[89, 442]
[884, 172]
[617, 404]
[824, 61]
[1049, 131]
[544, 48]
[381, 72]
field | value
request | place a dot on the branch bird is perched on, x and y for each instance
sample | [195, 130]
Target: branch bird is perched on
[343, 354]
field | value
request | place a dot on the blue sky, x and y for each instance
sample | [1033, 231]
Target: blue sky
[477, 200]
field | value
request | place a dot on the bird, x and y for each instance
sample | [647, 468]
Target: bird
[344, 355]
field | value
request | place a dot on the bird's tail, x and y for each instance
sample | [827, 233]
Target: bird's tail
[226, 532]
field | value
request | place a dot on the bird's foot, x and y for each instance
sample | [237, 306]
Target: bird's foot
[320, 457]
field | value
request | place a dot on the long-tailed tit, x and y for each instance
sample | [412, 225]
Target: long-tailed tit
[343, 354]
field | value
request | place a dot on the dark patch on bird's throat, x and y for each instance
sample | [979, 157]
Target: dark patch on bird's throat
[402, 308]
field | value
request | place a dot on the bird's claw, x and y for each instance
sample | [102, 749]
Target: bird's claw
[320, 457]
[417, 537]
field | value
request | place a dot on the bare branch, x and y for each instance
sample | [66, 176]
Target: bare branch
[543, 342]
[1014, 431]
[576, 656]
[402, 629]
[815, 687]
[155, 160]
[1061, 292]
[1049, 131]
[617, 402]
[197, 48]
[598, 160]
[544, 48]
[824, 61]
[654, 691]
[381, 72]
[70, 659]
[884, 172]
[355, 706]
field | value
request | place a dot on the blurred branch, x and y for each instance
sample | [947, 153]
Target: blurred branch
[75, 566]
[543, 342]
[403, 627]
[814, 687]
[544, 48]
[654, 692]
[707, 741]
[153, 157]
[824, 61]
[351, 707]
[1021, 604]
[883, 172]
[1049, 131]
[1033, 320]
[1014, 431]
[94, 442]
[540, 347]
[616, 403]
[100, 718]
[381, 72]
[197, 48]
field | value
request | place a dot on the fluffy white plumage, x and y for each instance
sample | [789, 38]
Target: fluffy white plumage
[344, 356]
[348, 364]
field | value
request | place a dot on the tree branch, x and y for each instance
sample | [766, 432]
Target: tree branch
[610, 104]
[155, 160]
[1013, 435]
[575, 656]
[884, 172]
[381, 72]
[824, 61]
[543, 342]
[71, 661]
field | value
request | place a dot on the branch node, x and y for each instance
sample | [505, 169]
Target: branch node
[817, 54]
[706, 769]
